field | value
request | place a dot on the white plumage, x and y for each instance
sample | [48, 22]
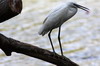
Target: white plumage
[57, 17]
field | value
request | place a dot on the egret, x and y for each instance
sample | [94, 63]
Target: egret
[9, 9]
[57, 17]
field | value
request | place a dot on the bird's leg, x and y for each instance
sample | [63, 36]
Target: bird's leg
[49, 35]
[60, 41]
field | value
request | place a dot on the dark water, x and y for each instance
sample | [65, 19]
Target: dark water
[80, 35]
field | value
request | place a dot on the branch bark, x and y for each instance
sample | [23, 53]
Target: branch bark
[9, 45]
[9, 9]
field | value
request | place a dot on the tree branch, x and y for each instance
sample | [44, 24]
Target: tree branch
[9, 45]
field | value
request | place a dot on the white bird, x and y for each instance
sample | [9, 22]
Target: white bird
[57, 17]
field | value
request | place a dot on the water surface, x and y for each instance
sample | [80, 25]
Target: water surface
[80, 35]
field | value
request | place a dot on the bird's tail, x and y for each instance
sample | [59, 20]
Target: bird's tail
[42, 31]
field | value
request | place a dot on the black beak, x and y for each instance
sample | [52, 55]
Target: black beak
[82, 7]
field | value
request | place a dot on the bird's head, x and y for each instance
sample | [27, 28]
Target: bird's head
[74, 5]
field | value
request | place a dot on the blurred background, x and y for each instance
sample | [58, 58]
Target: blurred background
[80, 35]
